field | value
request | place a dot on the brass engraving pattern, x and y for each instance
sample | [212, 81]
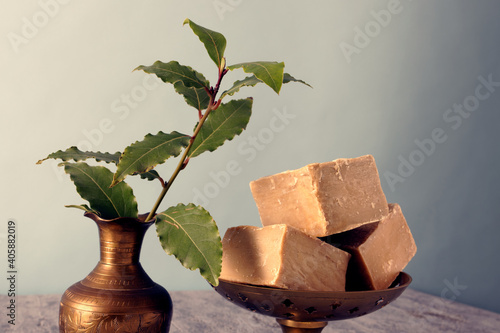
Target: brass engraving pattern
[116, 282]
[78, 321]
[99, 301]
[117, 249]
[118, 295]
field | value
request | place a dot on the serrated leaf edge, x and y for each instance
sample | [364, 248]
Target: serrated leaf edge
[195, 90]
[78, 160]
[225, 120]
[202, 84]
[119, 178]
[98, 186]
[292, 79]
[219, 57]
[242, 65]
[238, 84]
[178, 225]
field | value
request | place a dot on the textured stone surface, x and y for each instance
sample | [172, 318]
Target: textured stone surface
[206, 311]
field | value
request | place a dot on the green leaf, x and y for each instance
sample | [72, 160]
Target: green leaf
[191, 235]
[144, 155]
[75, 154]
[172, 72]
[93, 184]
[195, 97]
[150, 175]
[288, 78]
[83, 207]
[222, 124]
[215, 42]
[269, 72]
[249, 81]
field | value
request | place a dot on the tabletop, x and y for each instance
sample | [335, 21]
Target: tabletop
[207, 311]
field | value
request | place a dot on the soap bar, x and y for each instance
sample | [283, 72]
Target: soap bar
[281, 256]
[380, 251]
[322, 198]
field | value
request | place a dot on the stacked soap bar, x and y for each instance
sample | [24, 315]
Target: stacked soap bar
[283, 257]
[340, 201]
[380, 250]
[322, 198]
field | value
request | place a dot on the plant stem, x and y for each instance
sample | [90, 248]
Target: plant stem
[181, 165]
[212, 105]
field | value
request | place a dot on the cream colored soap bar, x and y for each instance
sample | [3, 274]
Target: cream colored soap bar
[380, 251]
[322, 198]
[283, 257]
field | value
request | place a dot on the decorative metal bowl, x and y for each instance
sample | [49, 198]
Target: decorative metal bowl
[309, 311]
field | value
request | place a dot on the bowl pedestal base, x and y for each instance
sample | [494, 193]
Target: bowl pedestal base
[291, 326]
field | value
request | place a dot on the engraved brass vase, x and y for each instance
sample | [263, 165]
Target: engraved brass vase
[118, 295]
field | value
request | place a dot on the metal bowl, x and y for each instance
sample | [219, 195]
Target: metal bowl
[309, 311]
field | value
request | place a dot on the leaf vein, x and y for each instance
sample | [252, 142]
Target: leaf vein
[192, 241]
[150, 151]
[100, 188]
[215, 46]
[216, 128]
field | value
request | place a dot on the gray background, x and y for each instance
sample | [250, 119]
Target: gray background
[73, 72]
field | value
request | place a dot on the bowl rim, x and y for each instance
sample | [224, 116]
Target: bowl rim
[402, 281]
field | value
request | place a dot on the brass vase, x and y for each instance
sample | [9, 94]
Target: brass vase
[118, 295]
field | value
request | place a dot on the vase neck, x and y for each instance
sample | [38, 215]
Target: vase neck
[121, 241]
[120, 247]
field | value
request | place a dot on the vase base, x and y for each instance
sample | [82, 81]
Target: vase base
[108, 310]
